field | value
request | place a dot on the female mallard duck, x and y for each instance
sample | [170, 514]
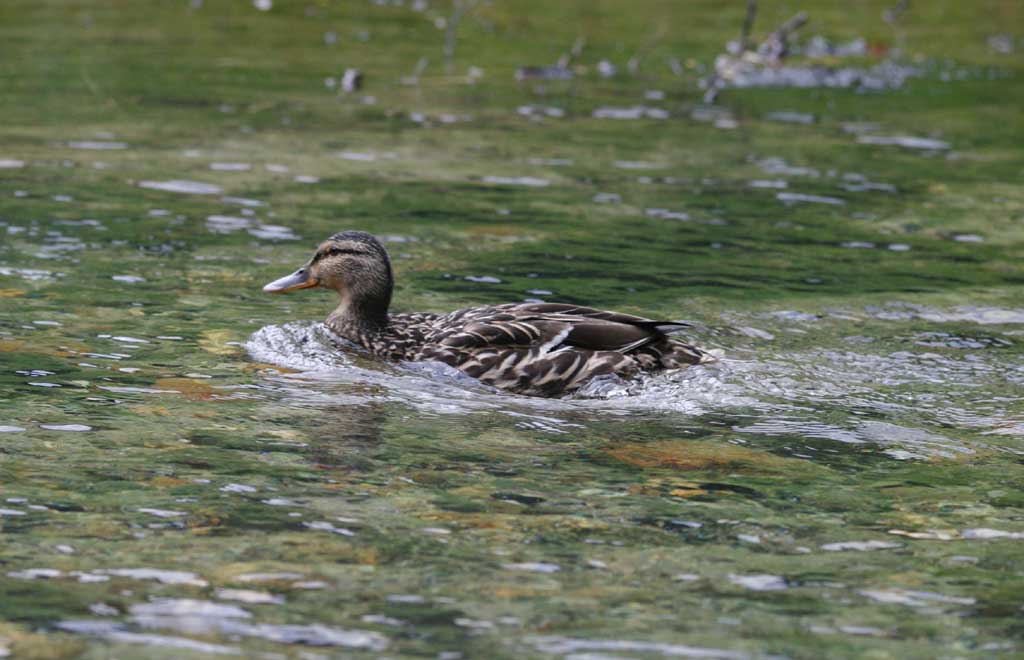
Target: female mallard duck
[538, 349]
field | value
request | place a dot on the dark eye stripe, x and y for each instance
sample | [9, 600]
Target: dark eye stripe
[334, 251]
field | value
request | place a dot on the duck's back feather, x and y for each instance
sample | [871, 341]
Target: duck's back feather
[540, 349]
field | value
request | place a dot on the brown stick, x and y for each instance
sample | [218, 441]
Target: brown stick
[748, 25]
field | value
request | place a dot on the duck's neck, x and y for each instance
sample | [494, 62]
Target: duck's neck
[358, 319]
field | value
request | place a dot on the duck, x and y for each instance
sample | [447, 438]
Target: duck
[543, 349]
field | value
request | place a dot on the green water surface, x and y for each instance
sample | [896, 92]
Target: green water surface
[190, 468]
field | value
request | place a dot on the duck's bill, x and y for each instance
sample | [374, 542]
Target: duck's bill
[300, 279]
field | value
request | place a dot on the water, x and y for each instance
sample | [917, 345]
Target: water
[191, 468]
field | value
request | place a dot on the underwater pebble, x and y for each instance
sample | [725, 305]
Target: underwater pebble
[269, 577]
[762, 582]
[11, 164]
[904, 141]
[666, 214]
[792, 198]
[280, 501]
[556, 645]
[115, 633]
[357, 156]
[249, 596]
[230, 167]
[102, 609]
[162, 513]
[984, 533]
[243, 201]
[160, 575]
[97, 145]
[35, 573]
[790, 117]
[381, 619]
[326, 526]
[181, 607]
[931, 535]
[530, 181]
[777, 184]
[128, 279]
[483, 279]
[237, 488]
[306, 178]
[912, 598]
[183, 186]
[860, 545]
[633, 112]
[533, 566]
[607, 198]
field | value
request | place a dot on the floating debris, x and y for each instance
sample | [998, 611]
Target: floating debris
[65, 427]
[11, 164]
[482, 279]
[607, 198]
[183, 186]
[230, 167]
[128, 279]
[351, 80]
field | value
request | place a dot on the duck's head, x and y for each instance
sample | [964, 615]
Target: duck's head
[354, 264]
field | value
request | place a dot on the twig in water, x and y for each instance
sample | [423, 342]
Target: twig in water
[577, 49]
[748, 25]
[459, 9]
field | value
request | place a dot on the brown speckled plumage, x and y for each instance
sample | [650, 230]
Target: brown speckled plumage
[538, 349]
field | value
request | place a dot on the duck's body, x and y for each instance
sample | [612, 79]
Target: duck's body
[538, 349]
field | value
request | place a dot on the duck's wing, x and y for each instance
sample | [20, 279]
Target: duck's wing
[546, 327]
[548, 349]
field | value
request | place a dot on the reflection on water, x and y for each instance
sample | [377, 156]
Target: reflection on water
[896, 401]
